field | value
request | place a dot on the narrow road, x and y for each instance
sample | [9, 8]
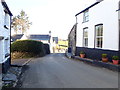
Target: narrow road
[57, 71]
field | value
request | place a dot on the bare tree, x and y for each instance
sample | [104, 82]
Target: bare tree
[21, 23]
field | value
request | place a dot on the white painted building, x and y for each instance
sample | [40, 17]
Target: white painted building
[98, 29]
[5, 27]
[44, 38]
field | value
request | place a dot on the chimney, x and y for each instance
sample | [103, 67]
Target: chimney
[2, 0]
[50, 33]
[99, 0]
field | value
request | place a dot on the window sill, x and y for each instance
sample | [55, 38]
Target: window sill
[85, 21]
[85, 46]
[5, 26]
[1, 37]
[6, 55]
[98, 48]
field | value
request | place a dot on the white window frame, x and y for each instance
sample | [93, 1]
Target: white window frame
[85, 37]
[100, 36]
[86, 16]
[6, 21]
[6, 46]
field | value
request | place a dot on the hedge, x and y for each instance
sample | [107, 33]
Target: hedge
[30, 46]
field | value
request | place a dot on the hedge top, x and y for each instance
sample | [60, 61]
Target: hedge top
[31, 46]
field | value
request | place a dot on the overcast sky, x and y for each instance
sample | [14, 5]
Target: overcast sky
[57, 16]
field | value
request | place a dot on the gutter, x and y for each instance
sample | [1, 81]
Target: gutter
[98, 1]
[87, 8]
[118, 10]
[7, 10]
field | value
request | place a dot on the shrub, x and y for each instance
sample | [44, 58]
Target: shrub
[115, 58]
[104, 55]
[30, 46]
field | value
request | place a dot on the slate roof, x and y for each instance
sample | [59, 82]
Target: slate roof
[16, 36]
[87, 8]
[39, 37]
[6, 7]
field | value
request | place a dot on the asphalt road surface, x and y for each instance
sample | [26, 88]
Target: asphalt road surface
[57, 71]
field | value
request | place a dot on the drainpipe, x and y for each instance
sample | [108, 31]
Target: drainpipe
[119, 31]
[119, 36]
[10, 39]
[76, 19]
[76, 34]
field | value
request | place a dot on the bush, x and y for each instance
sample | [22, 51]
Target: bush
[30, 46]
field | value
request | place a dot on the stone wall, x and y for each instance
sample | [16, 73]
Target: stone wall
[95, 54]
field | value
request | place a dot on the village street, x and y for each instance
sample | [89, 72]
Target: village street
[57, 71]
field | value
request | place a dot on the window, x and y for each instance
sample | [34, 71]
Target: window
[6, 21]
[85, 37]
[0, 51]
[6, 46]
[99, 36]
[86, 16]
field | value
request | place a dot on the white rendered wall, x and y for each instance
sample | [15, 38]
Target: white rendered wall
[119, 14]
[103, 13]
[4, 33]
[1, 33]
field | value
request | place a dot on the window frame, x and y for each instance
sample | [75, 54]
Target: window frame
[98, 37]
[84, 44]
[86, 16]
[6, 20]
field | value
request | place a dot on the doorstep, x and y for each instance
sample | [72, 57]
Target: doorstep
[107, 65]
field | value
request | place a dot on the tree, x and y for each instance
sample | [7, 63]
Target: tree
[21, 23]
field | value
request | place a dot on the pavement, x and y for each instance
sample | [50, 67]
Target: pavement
[107, 65]
[20, 62]
[13, 75]
[58, 71]
[1, 81]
